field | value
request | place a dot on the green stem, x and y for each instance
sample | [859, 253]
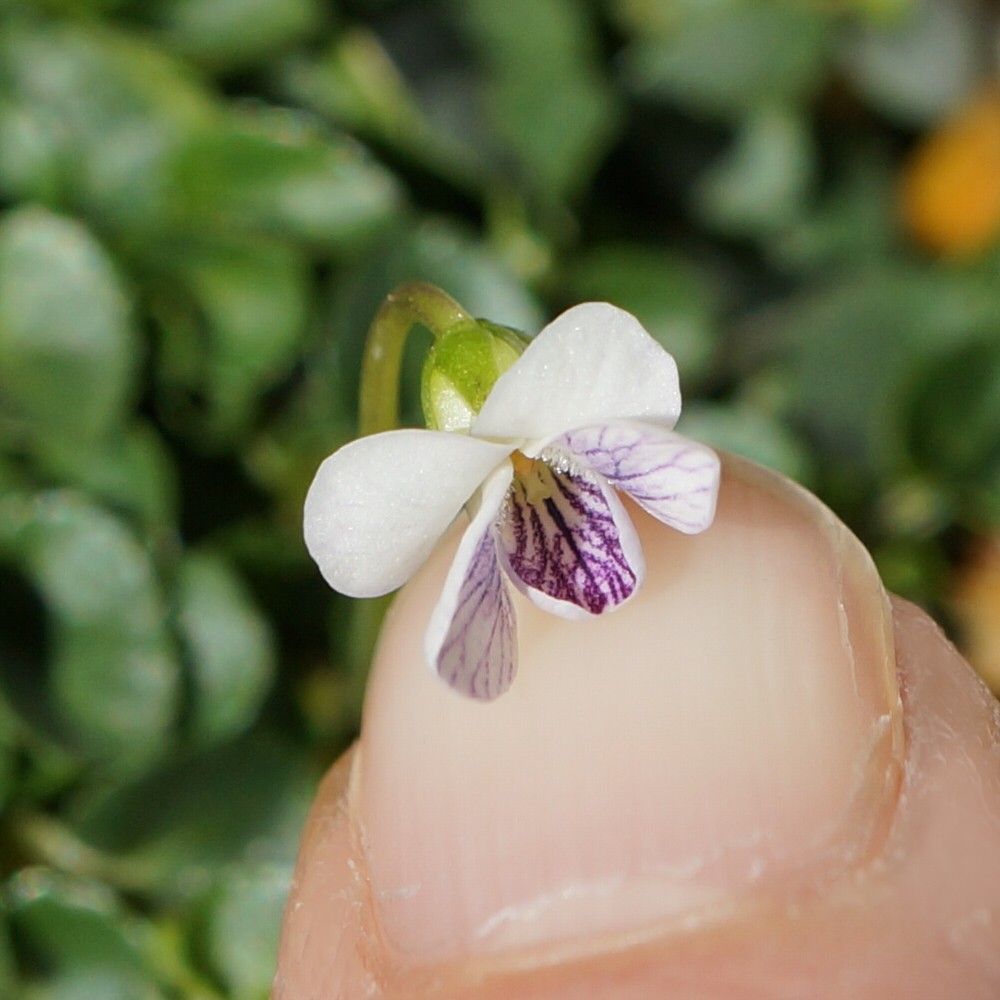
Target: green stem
[407, 306]
[165, 951]
[44, 839]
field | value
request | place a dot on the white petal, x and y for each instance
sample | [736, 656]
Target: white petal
[592, 364]
[378, 505]
[674, 478]
[471, 640]
[574, 552]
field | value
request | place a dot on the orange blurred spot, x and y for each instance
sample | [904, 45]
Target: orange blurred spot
[950, 194]
[977, 606]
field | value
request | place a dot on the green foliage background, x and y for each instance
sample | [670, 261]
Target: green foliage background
[203, 202]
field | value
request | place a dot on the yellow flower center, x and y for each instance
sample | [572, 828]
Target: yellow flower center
[535, 477]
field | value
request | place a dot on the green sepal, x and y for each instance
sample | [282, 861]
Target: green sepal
[461, 369]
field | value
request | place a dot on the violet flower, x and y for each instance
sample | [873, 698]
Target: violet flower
[585, 411]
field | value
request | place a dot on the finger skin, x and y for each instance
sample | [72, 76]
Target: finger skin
[734, 727]
[921, 920]
[324, 931]
[749, 815]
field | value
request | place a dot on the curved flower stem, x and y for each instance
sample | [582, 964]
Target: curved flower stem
[409, 305]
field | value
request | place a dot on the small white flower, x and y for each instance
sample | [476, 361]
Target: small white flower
[588, 406]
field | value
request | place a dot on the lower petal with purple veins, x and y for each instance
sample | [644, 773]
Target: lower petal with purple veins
[672, 477]
[567, 542]
[471, 639]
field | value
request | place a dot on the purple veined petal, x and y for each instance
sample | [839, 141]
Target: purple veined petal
[567, 543]
[471, 640]
[674, 478]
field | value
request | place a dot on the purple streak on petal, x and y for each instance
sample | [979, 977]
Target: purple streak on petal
[672, 477]
[566, 544]
[479, 654]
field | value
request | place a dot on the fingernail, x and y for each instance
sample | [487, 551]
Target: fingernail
[727, 736]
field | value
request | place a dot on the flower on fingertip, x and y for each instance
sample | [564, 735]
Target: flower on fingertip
[586, 411]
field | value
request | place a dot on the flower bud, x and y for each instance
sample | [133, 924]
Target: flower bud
[461, 369]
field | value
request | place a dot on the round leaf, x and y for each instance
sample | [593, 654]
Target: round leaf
[229, 647]
[243, 924]
[244, 800]
[113, 676]
[67, 350]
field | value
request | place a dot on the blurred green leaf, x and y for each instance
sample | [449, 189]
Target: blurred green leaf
[243, 801]
[854, 221]
[856, 343]
[96, 112]
[26, 710]
[913, 507]
[8, 962]
[229, 647]
[130, 470]
[113, 677]
[233, 334]
[68, 353]
[954, 413]
[8, 760]
[724, 59]
[274, 172]
[919, 64]
[49, 769]
[69, 922]
[543, 91]
[447, 255]
[355, 83]
[355, 645]
[73, 7]
[29, 155]
[748, 432]
[320, 417]
[981, 512]
[232, 34]
[649, 18]
[914, 569]
[675, 300]
[761, 185]
[88, 982]
[242, 927]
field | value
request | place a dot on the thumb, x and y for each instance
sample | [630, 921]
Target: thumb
[659, 784]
